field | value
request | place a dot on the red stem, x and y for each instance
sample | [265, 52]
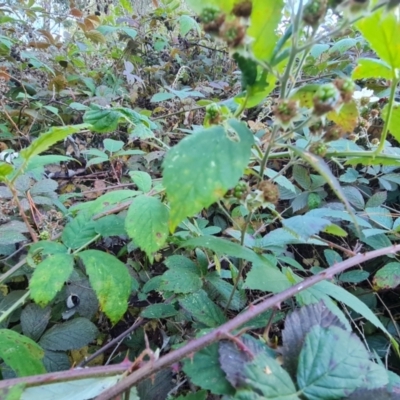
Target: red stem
[197, 344]
[221, 332]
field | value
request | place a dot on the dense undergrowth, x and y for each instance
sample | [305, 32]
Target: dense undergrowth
[200, 201]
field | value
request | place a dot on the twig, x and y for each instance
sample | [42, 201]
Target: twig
[218, 333]
[139, 322]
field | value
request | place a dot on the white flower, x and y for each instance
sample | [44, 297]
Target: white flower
[365, 94]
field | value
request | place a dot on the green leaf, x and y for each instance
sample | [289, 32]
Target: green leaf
[202, 167]
[342, 295]
[13, 392]
[186, 23]
[9, 236]
[112, 145]
[372, 68]
[34, 320]
[105, 201]
[78, 232]
[382, 31]
[47, 247]
[298, 324]
[387, 277]
[129, 31]
[335, 230]
[103, 120]
[200, 395]
[342, 45]
[49, 277]
[354, 196]
[204, 370]
[162, 97]
[223, 246]
[305, 226]
[224, 290]
[264, 375]
[156, 311]
[47, 139]
[266, 277]
[332, 363]
[20, 353]
[264, 20]
[5, 169]
[147, 223]
[302, 176]
[110, 225]
[394, 122]
[142, 180]
[183, 276]
[203, 309]
[71, 335]
[381, 216]
[110, 280]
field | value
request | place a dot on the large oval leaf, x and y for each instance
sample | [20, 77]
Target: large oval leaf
[110, 280]
[50, 276]
[147, 223]
[203, 166]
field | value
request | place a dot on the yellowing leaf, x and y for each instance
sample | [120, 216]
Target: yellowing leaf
[95, 36]
[347, 117]
[147, 223]
[110, 280]
[49, 277]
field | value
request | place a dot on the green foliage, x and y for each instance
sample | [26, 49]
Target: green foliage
[110, 280]
[163, 175]
[20, 353]
[147, 223]
[202, 167]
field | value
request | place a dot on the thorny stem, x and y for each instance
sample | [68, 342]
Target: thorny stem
[252, 312]
[197, 344]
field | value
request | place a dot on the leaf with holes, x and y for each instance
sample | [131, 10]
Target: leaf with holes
[203, 166]
[110, 280]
